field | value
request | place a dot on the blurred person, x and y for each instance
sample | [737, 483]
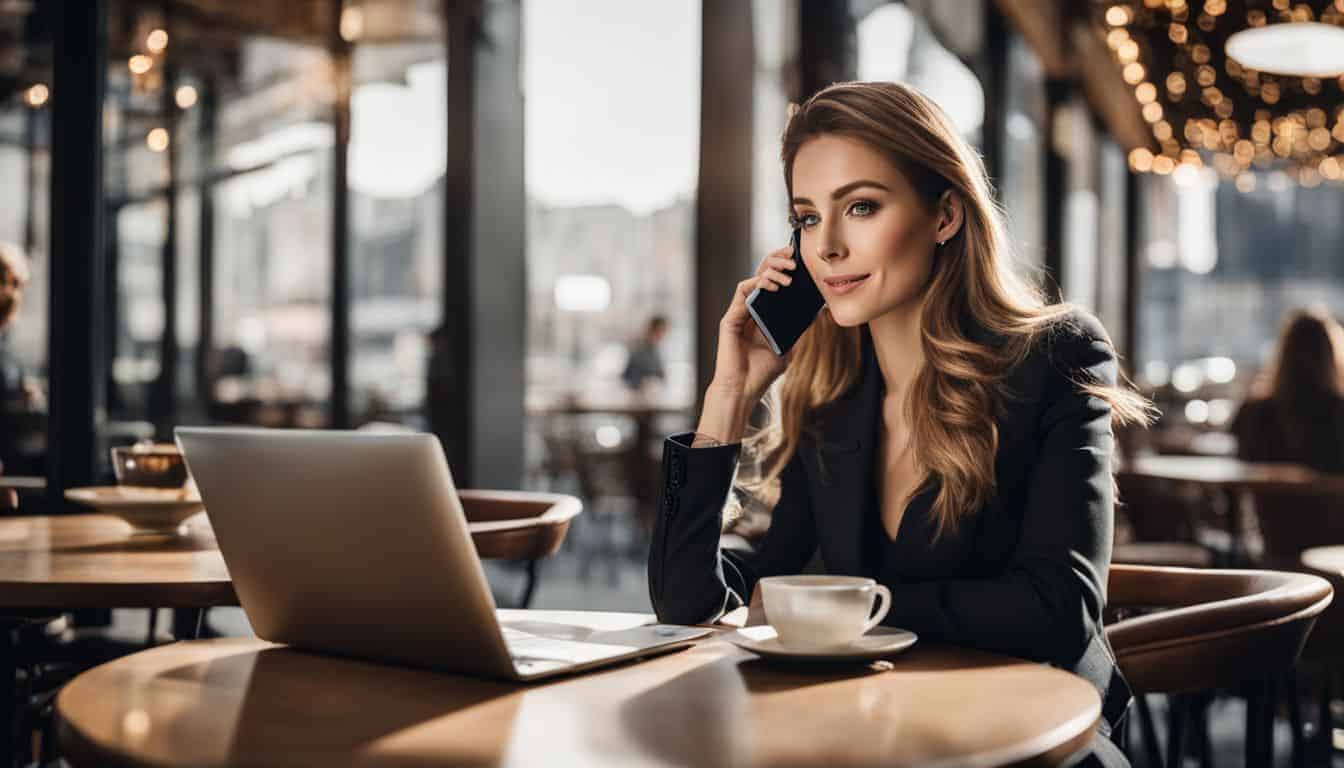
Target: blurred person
[645, 361]
[21, 398]
[1296, 410]
[939, 428]
[18, 391]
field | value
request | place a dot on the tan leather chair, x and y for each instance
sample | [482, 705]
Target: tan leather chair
[1214, 629]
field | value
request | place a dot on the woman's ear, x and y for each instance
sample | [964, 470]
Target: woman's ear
[951, 214]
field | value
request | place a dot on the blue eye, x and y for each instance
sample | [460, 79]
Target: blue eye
[869, 206]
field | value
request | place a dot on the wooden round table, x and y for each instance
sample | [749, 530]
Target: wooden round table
[92, 561]
[236, 702]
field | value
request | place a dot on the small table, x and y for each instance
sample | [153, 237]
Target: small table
[1325, 559]
[243, 701]
[1224, 479]
[1218, 471]
[643, 408]
[92, 561]
[23, 483]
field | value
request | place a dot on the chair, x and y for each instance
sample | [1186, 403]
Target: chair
[1215, 629]
[1163, 524]
[522, 526]
[1293, 517]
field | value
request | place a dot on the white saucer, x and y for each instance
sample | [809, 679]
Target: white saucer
[880, 642]
[147, 510]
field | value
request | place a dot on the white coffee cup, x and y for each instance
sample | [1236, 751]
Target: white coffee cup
[822, 612]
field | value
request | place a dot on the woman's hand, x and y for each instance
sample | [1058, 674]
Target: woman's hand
[744, 366]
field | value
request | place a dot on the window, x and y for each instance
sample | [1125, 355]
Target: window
[612, 149]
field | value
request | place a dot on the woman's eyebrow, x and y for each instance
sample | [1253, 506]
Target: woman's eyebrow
[845, 190]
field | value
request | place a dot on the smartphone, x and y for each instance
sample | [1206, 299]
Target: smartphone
[783, 315]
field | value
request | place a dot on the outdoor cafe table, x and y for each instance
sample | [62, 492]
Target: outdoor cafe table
[247, 702]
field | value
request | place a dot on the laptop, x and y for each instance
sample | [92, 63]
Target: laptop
[355, 544]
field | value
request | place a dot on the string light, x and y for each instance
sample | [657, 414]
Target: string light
[185, 96]
[140, 63]
[36, 95]
[1223, 130]
[157, 140]
[1141, 159]
[157, 41]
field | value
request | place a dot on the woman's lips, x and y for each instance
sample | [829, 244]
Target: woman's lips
[842, 284]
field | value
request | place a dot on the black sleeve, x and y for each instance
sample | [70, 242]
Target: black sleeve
[693, 581]
[1047, 604]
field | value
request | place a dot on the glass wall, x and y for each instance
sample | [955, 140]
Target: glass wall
[398, 155]
[896, 44]
[612, 149]
[1222, 265]
[775, 36]
[238, 126]
[1022, 186]
[25, 188]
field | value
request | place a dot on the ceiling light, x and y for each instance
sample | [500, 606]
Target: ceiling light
[1305, 49]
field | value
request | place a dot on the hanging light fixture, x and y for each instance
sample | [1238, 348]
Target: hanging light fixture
[1302, 49]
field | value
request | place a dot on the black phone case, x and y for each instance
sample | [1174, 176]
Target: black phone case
[783, 315]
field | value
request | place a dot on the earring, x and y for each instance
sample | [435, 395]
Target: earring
[941, 243]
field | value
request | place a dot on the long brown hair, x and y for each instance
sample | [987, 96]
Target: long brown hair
[955, 396]
[1308, 372]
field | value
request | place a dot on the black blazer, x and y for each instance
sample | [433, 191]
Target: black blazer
[1025, 575]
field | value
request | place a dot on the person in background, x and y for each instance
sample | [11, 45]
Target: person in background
[17, 390]
[19, 393]
[1296, 411]
[645, 360]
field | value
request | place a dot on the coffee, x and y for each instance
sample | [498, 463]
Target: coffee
[153, 465]
[822, 612]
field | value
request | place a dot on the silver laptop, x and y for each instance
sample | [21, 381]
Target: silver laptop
[355, 543]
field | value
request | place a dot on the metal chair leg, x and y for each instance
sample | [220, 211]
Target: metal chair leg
[1176, 718]
[1147, 731]
[1202, 723]
[153, 627]
[1295, 720]
[526, 600]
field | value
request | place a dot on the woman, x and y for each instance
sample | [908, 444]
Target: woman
[938, 428]
[1299, 416]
